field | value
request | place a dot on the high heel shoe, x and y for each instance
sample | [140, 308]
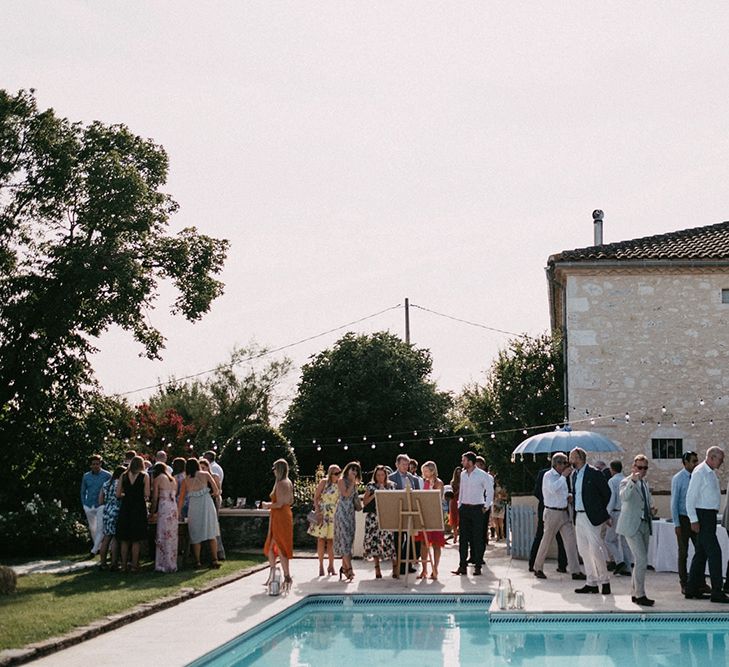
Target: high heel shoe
[378, 572]
[321, 570]
[286, 585]
[330, 570]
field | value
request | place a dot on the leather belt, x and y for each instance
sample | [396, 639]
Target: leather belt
[580, 511]
[467, 505]
[556, 509]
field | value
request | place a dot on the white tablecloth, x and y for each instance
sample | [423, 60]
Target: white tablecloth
[663, 547]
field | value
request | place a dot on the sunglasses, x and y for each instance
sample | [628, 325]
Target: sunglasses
[641, 467]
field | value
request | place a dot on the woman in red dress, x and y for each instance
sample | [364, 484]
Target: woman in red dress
[453, 503]
[436, 538]
[280, 538]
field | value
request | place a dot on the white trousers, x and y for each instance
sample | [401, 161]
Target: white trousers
[592, 549]
[95, 518]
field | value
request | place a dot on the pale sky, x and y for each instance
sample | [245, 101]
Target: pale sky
[357, 153]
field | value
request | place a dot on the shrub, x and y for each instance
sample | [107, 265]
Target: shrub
[248, 459]
[8, 580]
[41, 528]
[304, 489]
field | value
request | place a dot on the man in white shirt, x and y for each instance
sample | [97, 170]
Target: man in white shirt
[616, 544]
[215, 467]
[476, 485]
[703, 500]
[557, 517]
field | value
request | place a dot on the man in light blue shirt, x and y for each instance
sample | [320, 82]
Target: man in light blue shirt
[91, 484]
[681, 522]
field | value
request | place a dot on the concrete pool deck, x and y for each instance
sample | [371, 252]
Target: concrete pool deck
[180, 634]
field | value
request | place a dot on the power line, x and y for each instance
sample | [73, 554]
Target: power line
[473, 324]
[265, 352]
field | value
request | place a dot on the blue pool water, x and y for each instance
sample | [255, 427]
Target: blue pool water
[452, 630]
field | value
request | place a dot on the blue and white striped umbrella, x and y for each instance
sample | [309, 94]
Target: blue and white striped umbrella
[562, 440]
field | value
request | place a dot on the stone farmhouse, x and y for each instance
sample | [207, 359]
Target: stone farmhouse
[646, 341]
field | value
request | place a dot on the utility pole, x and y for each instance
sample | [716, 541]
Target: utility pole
[407, 320]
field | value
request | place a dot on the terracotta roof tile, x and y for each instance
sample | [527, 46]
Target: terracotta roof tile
[710, 242]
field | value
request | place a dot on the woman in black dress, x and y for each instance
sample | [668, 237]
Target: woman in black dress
[131, 527]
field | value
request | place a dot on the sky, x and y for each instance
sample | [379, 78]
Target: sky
[357, 154]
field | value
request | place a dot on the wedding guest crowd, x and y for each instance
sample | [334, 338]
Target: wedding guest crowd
[121, 506]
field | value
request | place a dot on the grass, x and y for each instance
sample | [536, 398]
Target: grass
[48, 605]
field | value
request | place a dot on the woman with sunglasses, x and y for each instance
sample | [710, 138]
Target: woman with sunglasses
[344, 521]
[326, 497]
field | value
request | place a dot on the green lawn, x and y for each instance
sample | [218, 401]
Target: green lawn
[47, 605]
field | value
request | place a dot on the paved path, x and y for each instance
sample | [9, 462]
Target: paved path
[203, 623]
[53, 566]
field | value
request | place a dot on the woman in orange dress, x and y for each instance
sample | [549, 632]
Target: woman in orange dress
[280, 539]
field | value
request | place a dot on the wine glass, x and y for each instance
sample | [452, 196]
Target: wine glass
[258, 504]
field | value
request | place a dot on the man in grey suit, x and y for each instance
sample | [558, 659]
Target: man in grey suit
[401, 478]
[635, 524]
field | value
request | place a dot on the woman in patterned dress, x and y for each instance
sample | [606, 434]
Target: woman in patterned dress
[435, 538]
[111, 504]
[326, 497]
[344, 522]
[164, 492]
[378, 544]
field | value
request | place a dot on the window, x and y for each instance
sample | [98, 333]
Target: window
[725, 296]
[667, 448]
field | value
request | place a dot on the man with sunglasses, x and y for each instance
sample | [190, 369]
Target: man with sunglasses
[635, 525]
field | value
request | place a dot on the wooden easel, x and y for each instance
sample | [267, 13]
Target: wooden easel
[410, 509]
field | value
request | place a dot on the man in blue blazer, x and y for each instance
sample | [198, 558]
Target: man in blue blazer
[591, 497]
[401, 478]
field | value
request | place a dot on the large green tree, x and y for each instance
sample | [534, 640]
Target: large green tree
[83, 246]
[523, 390]
[202, 414]
[368, 385]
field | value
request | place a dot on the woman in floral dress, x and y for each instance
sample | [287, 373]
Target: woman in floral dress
[164, 492]
[111, 514]
[326, 497]
[344, 521]
[378, 544]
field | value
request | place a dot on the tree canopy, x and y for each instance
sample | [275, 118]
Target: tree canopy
[523, 388]
[366, 385]
[83, 245]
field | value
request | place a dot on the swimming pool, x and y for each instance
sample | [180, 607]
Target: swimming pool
[452, 630]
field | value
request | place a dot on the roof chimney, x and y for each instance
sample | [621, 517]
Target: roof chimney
[597, 216]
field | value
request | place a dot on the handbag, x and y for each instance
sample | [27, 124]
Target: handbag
[357, 502]
[311, 518]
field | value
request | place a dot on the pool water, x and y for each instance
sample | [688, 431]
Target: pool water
[452, 630]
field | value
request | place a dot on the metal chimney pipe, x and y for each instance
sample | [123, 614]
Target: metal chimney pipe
[597, 216]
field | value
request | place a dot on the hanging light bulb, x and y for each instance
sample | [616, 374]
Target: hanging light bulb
[701, 401]
[238, 448]
[430, 441]
[663, 409]
[339, 440]
[627, 416]
[402, 444]
[674, 424]
[592, 421]
[373, 445]
[460, 439]
[346, 447]
[364, 438]
[711, 422]
[263, 448]
[389, 436]
[524, 431]
[415, 433]
[693, 423]
[318, 448]
[313, 441]
[493, 436]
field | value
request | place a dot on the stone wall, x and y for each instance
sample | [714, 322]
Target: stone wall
[247, 529]
[641, 340]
